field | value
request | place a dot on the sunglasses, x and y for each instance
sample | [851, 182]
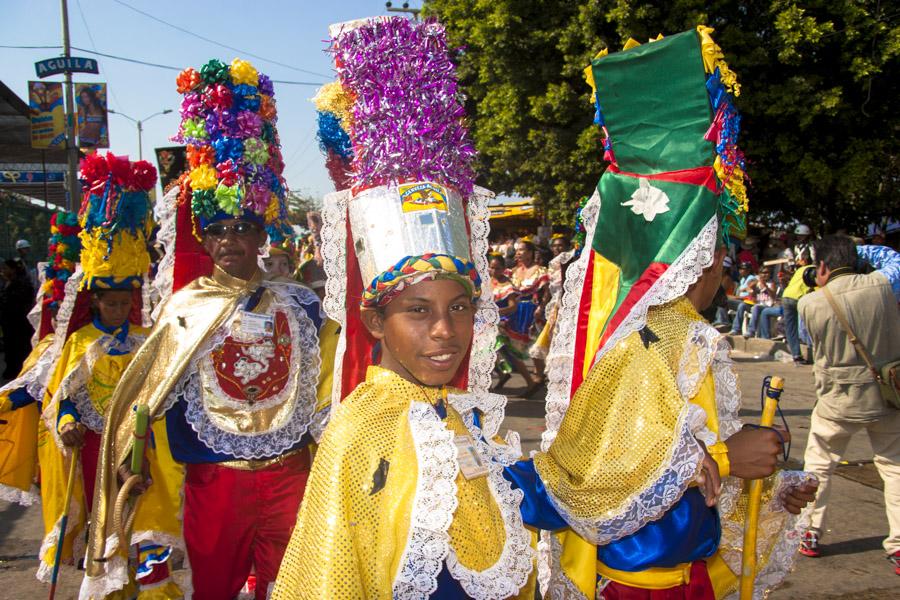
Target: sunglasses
[220, 230]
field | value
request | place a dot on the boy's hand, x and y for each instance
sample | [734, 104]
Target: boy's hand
[72, 435]
[753, 453]
[708, 479]
[124, 473]
[796, 498]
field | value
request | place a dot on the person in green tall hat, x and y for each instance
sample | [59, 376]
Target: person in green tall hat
[644, 456]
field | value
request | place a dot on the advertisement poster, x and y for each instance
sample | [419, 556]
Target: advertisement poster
[93, 129]
[172, 162]
[48, 118]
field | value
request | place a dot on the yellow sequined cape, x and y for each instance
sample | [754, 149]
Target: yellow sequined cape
[185, 322]
[18, 438]
[385, 504]
[627, 450]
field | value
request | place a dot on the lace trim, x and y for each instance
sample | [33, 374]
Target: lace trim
[552, 579]
[491, 407]
[433, 506]
[668, 485]
[483, 355]
[680, 275]
[146, 303]
[334, 257]
[20, 497]
[696, 418]
[560, 358]
[114, 578]
[318, 423]
[45, 570]
[34, 315]
[506, 577]
[166, 213]
[788, 533]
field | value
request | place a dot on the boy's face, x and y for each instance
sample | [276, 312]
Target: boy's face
[278, 264]
[425, 331]
[114, 307]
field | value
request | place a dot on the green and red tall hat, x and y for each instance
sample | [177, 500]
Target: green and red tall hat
[674, 188]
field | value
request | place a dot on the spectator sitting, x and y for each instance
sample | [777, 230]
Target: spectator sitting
[747, 254]
[768, 304]
[744, 296]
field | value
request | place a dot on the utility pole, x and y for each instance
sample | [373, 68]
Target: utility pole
[405, 9]
[71, 148]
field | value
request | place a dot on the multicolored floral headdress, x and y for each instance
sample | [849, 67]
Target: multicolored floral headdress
[234, 155]
[115, 217]
[63, 252]
[393, 125]
[673, 191]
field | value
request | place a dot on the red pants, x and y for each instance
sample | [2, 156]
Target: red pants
[700, 588]
[90, 453]
[236, 520]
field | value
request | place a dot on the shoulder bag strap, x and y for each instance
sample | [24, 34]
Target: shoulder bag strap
[845, 325]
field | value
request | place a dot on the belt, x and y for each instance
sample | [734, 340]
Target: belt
[256, 465]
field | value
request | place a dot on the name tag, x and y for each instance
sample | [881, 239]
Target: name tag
[255, 324]
[471, 464]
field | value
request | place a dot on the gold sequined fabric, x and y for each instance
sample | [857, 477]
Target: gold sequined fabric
[353, 529]
[619, 429]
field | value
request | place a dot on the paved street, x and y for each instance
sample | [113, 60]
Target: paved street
[853, 565]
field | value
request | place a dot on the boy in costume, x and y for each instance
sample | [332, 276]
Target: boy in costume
[231, 367]
[407, 497]
[643, 399]
[101, 325]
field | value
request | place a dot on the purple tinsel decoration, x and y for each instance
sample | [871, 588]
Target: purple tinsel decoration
[265, 85]
[408, 116]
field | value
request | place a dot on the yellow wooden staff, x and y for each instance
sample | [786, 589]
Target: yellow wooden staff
[748, 562]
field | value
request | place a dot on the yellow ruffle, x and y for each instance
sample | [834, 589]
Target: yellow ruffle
[713, 58]
[243, 72]
[203, 178]
[334, 98]
[128, 256]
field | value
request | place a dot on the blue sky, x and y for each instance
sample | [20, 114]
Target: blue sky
[289, 32]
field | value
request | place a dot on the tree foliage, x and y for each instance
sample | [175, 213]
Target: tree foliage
[819, 98]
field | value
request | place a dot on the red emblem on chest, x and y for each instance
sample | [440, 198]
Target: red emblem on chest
[256, 370]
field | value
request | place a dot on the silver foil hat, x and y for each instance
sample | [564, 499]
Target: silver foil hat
[391, 222]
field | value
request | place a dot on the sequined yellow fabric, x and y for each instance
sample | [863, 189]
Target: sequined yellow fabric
[354, 524]
[621, 424]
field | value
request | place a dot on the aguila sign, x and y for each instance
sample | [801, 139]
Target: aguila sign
[62, 64]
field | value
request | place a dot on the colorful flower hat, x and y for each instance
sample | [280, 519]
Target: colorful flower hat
[674, 189]
[234, 155]
[116, 222]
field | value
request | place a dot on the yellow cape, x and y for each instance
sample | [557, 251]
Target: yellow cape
[382, 503]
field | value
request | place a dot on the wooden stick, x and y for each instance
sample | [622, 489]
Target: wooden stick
[63, 523]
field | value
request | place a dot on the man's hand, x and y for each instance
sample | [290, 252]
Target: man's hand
[796, 498]
[124, 472]
[753, 453]
[708, 479]
[72, 435]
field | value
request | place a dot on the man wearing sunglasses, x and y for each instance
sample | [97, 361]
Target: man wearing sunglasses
[232, 366]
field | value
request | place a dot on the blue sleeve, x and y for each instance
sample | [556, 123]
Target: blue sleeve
[537, 510]
[20, 398]
[67, 407]
[886, 261]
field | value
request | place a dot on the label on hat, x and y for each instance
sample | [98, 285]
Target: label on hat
[422, 195]
[257, 325]
[471, 464]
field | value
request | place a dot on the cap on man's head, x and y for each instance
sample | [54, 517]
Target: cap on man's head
[745, 265]
[20, 244]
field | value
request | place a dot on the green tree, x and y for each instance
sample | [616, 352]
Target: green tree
[819, 102]
[298, 205]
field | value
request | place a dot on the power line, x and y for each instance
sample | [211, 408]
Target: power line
[211, 41]
[111, 89]
[145, 63]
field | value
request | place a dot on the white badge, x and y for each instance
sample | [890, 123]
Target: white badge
[470, 461]
[255, 324]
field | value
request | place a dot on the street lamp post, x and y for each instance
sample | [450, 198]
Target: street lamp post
[140, 125]
[389, 6]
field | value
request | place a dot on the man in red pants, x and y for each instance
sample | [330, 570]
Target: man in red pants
[233, 362]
